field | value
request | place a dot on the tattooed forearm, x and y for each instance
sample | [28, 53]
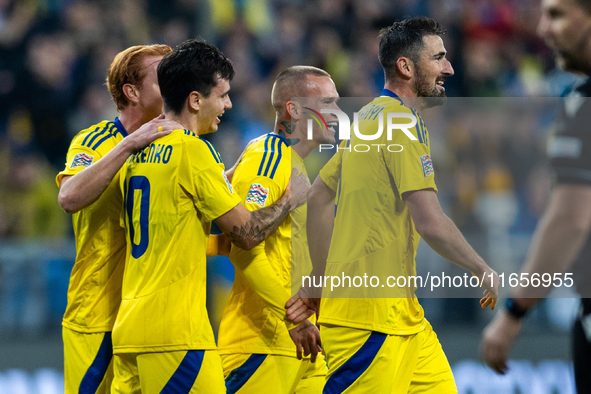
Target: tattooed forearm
[262, 223]
[286, 135]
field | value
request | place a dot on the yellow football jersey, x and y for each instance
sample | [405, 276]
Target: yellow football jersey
[373, 231]
[94, 293]
[253, 320]
[172, 190]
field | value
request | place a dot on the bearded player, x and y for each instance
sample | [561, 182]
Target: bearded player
[387, 201]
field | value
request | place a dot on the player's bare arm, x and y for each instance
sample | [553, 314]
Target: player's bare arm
[320, 221]
[246, 229]
[442, 235]
[307, 340]
[559, 237]
[82, 189]
[556, 243]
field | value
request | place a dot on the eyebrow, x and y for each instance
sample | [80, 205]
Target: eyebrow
[226, 92]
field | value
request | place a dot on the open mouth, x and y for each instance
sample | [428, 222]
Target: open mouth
[219, 116]
[331, 126]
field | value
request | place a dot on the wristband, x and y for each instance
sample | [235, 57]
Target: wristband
[514, 309]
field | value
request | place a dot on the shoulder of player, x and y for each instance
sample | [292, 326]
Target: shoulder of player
[200, 146]
[267, 156]
[99, 138]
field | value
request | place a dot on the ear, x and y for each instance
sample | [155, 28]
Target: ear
[405, 66]
[194, 103]
[131, 93]
[294, 109]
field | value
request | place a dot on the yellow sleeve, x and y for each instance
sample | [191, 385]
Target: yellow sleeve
[212, 194]
[412, 168]
[254, 264]
[331, 172]
[78, 158]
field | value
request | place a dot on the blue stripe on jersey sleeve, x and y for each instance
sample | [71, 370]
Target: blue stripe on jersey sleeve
[418, 126]
[102, 140]
[183, 379]
[238, 377]
[424, 132]
[100, 133]
[278, 157]
[354, 367]
[273, 142]
[89, 134]
[211, 149]
[264, 154]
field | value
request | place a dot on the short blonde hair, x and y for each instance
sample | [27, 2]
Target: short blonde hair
[127, 68]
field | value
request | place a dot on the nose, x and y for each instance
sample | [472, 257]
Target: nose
[543, 27]
[228, 103]
[448, 69]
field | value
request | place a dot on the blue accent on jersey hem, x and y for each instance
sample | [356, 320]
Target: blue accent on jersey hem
[354, 367]
[184, 377]
[96, 372]
[238, 377]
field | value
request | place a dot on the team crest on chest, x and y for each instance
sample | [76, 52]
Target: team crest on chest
[427, 165]
[81, 160]
[257, 194]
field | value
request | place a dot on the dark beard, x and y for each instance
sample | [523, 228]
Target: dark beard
[572, 63]
[431, 97]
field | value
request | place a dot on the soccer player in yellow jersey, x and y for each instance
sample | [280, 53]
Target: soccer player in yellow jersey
[89, 189]
[254, 340]
[162, 339]
[386, 202]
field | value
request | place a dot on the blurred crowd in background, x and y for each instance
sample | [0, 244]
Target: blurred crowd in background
[54, 57]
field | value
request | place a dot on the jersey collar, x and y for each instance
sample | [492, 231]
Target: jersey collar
[389, 93]
[120, 128]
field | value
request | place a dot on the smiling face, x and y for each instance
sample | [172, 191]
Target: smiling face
[566, 27]
[149, 97]
[322, 94]
[211, 108]
[432, 69]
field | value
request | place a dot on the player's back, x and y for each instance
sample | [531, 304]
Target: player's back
[94, 291]
[170, 200]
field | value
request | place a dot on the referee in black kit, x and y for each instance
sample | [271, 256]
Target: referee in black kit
[562, 239]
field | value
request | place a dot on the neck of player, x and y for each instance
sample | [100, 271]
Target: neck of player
[185, 118]
[401, 88]
[132, 119]
[293, 136]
